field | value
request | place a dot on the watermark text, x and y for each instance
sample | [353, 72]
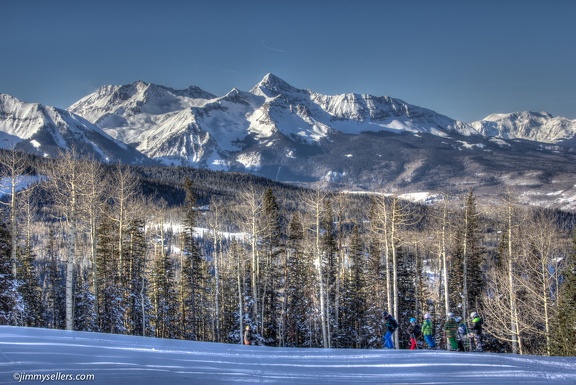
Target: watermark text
[58, 376]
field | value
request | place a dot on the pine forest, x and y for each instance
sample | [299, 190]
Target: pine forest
[182, 253]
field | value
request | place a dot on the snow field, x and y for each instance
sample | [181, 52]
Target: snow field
[118, 359]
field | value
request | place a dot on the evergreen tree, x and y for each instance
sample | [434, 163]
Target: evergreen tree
[329, 251]
[456, 273]
[272, 239]
[407, 282]
[297, 291]
[11, 303]
[136, 301]
[564, 326]
[474, 286]
[193, 279]
[29, 287]
[110, 318]
[84, 316]
[53, 288]
[163, 295]
[352, 325]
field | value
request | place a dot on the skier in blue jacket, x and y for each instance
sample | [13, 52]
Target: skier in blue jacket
[391, 326]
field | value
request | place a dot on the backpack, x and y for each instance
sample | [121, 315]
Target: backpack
[427, 328]
[417, 332]
[391, 324]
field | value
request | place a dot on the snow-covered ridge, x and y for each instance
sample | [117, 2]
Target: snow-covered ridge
[46, 131]
[193, 127]
[536, 126]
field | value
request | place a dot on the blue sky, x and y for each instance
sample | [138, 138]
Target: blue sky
[465, 59]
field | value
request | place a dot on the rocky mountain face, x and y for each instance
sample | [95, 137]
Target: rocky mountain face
[349, 141]
[535, 126]
[46, 131]
[193, 127]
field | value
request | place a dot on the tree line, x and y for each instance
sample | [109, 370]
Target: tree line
[98, 248]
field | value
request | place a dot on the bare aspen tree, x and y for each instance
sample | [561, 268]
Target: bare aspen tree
[381, 228]
[237, 256]
[123, 189]
[511, 279]
[14, 164]
[544, 246]
[250, 213]
[502, 301]
[395, 216]
[465, 263]
[66, 176]
[314, 201]
[93, 205]
[340, 259]
[392, 216]
[443, 256]
[215, 222]
[402, 217]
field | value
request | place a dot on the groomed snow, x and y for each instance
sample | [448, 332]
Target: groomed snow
[117, 359]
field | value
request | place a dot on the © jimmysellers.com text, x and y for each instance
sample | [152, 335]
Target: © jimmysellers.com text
[58, 376]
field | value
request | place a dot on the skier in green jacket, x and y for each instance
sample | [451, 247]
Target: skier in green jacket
[451, 330]
[428, 331]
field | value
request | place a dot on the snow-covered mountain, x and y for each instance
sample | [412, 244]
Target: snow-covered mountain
[535, 126]
[193, 127]
[349, 141]
[46, 131]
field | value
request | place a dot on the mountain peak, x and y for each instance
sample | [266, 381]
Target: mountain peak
[271, 85]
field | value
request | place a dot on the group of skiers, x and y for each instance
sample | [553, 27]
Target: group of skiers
[456, 330]
[457, 335]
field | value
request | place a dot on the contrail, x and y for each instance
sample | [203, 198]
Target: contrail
[271, 48]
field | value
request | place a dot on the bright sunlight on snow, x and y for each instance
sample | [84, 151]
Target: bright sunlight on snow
[29, 355]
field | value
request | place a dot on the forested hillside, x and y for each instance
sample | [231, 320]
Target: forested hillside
[175, 252]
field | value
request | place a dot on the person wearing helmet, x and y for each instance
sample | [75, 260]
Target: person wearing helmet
[248, 336]
[428, 331]
[476, 328]
[451, 329]
[415, 332]
[462, 334]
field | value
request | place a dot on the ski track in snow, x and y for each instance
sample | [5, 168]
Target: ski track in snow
[118, 359]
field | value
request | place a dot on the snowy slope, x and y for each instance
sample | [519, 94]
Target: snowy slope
[536, 126]
[116, 359]
[127, 112]
[46, 131]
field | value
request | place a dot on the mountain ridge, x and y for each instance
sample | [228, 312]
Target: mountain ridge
[347, 141]
[271, 109]
[535, 126]
[46, 131]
